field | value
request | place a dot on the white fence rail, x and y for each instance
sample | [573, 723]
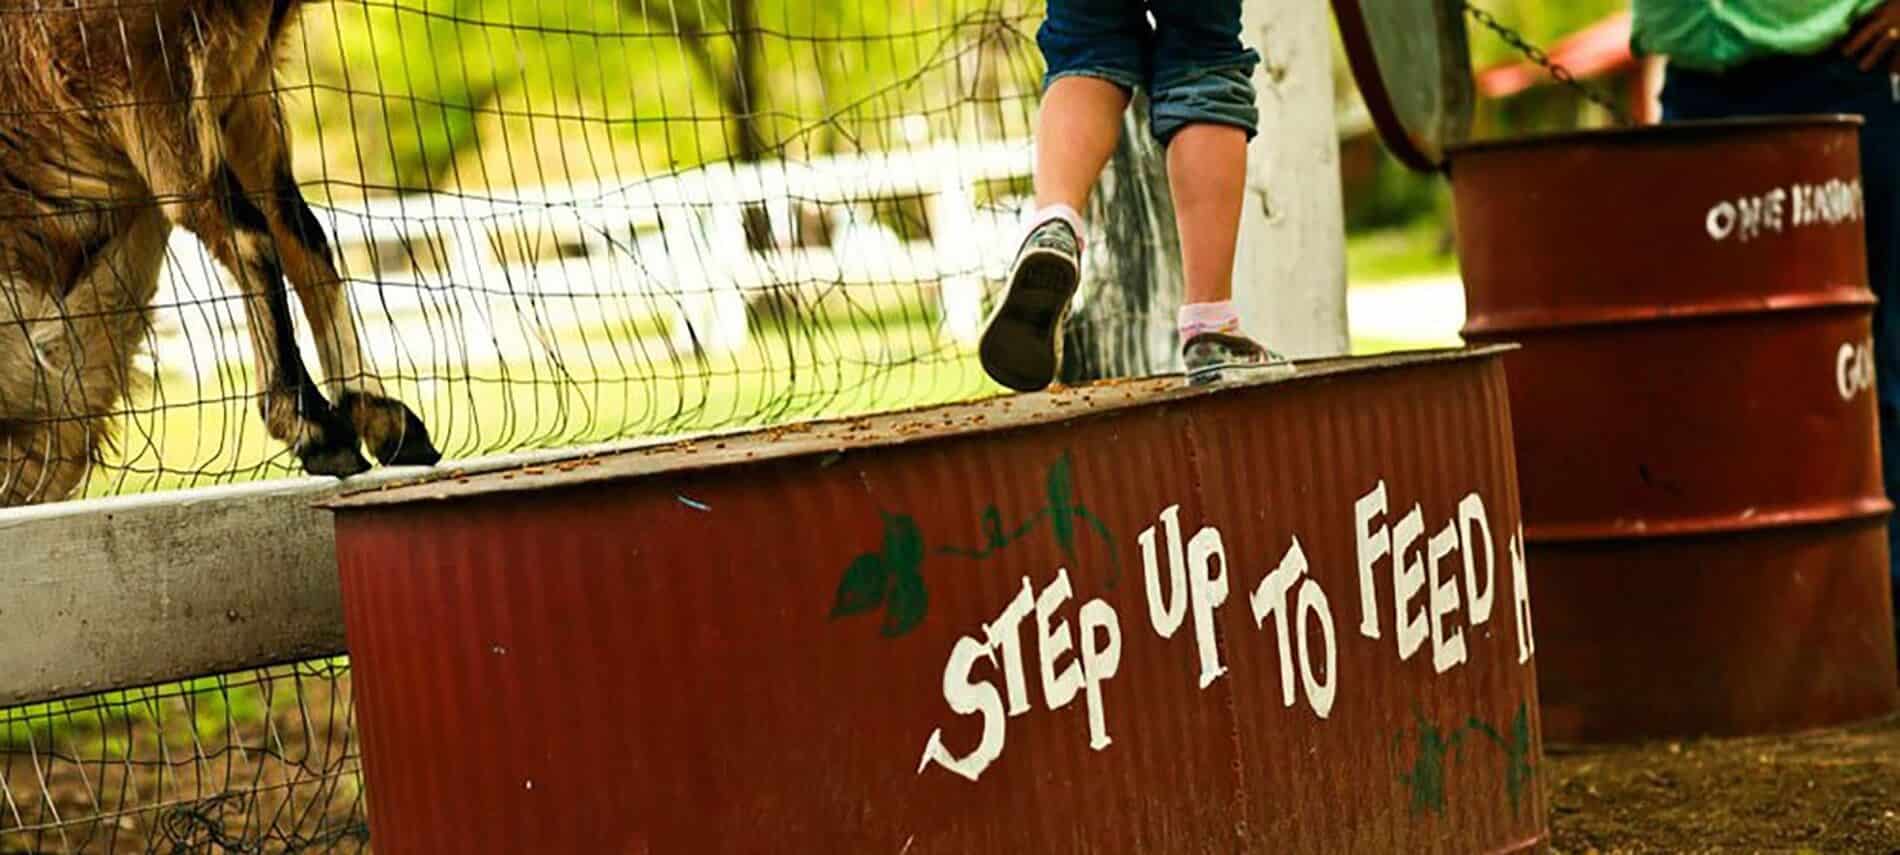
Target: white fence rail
[668, 252]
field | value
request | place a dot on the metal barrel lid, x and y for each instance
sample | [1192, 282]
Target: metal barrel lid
[1412, 61]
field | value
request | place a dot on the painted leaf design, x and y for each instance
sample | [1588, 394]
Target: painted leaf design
[1062, 505]
[993, 538]
[1114, 561]
[905, 607]
[862, 587]
[903, 544]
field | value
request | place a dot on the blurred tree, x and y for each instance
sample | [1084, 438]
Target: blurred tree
[435, 94]
[734, 72]
[1385, 193]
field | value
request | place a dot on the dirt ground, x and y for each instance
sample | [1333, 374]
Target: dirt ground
[1832, 791]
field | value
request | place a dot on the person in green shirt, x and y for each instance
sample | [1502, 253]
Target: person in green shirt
[1717, 36]
[1730, 58]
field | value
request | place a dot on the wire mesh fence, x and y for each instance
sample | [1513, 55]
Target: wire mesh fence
[553, 222]
[256, 762]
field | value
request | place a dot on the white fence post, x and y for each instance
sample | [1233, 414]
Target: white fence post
[1290, 274]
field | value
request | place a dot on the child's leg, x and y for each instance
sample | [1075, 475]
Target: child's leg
[1076, 131]
[1097, 53]
[1207, 170]
[1204, 113]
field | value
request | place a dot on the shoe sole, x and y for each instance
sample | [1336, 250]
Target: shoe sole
[1214, 374]
[1018, 349]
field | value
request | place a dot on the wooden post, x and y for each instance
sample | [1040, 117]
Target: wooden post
[1290, 274]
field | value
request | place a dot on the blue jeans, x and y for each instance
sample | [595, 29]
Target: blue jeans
[1190, 60]
[1830, 83]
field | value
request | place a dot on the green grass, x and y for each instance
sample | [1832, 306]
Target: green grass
[203, 710]
[1404, 252]
[584, 385]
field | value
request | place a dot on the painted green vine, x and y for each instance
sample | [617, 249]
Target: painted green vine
[1426, 778]
[892, 577]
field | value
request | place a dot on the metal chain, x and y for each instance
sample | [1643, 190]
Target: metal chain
[1561, 74]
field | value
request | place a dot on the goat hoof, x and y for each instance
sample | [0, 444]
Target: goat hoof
[335, 462]
[393, 432]
[411, 447]
[409, 451]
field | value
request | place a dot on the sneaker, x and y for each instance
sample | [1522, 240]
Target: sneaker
[1212, 357]
[1021, 345]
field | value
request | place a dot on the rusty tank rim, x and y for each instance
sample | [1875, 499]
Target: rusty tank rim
[1682, 131]
[850, 434]
[1506, 322]
[1856, 510]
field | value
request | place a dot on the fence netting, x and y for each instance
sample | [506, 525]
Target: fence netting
[556, 222]
[566, 221]
[262, 761]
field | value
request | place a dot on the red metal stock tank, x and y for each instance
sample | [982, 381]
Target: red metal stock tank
[1695, 420]
[1126, 618]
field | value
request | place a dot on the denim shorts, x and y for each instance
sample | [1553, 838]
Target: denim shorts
[1189, 59]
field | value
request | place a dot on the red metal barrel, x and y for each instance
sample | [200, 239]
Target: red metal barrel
[1695, 420]
[1130, 618]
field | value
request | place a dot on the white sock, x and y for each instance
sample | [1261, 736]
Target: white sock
[1197, 318]
[1056, 212]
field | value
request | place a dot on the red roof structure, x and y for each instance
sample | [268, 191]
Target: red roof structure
[1599, 50]
[1602, 48]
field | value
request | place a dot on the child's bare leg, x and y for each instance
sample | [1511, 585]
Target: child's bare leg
[1203, 109]
[1207, 171]
[1076, 132]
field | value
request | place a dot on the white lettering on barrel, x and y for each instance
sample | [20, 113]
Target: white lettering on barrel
[1773, 205]
[1721, 221]
[1854, 369]
[1471, 518]
[1078, 642]
[1448, 648]
[1290, 597]
[1751, 216]
[1205, 587]
[1165, 612]
[1052, 641]
[1408, 577]
[1521, 594]
[1084, 668]
[1006, 635]
[966, 697]
[1775, 211]
[1374, 544]
[1429, 603]
[1100, 660]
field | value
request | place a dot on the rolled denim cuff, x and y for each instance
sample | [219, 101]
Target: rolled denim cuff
[1127, 80]
[1221, 96]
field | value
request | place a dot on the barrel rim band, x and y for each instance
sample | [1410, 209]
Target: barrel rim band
[1864, 509]
[1533, 320]
[1684, 132]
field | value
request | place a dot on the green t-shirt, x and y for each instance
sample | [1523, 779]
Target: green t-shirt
[1715, 35]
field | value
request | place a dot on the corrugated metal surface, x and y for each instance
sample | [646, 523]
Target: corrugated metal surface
[1695, 421]
[743, 645]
